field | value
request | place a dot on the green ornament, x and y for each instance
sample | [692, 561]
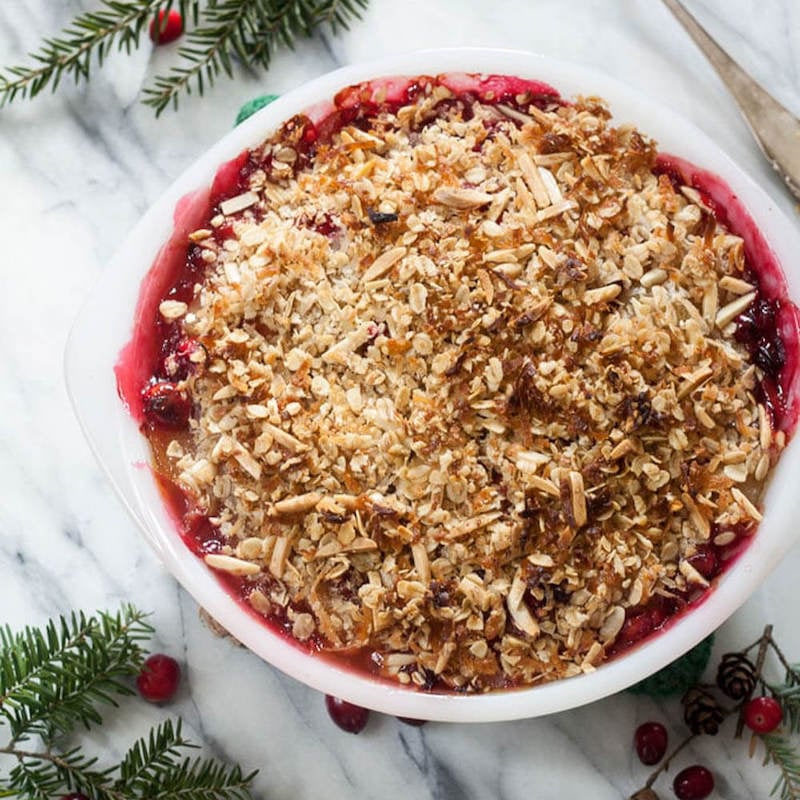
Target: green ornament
[678, 676]
[251, 106]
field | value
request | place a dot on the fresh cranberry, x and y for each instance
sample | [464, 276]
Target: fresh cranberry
[185, 359]
[770, 355]
[159, 678]
[705, 561]
[166, 405]
[650, 741]
[693, 783]
[757, 320]
[416, 723]
[74, 796]
[763, 714]
[636, 627]
[347, 716]
[169, 26]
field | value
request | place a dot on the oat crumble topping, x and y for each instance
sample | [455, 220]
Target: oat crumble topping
[469, 389]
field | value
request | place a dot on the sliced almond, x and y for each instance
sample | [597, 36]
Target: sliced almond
[744, 502]
[421, 563]
[295, 505]
[653, 277]
[238, 203]
[530, 172]
[693, 381]
[735, 285]
[383, 263]
[231, 565]
[461, 199]
[729, 312]
[691, 574]
[603, 294]
[518, 610]
[577, 498]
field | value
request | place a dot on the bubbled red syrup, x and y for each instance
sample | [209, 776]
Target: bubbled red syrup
[157, 351]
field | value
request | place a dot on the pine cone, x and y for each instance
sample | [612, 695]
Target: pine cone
[701, 711]
[736, 676]
[644, 794]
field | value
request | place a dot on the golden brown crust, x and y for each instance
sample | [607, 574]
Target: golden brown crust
[470, 438]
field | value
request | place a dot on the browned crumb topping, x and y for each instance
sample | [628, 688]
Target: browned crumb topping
[470, 437]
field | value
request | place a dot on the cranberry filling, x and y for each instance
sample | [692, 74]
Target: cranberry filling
[166, 405]
[158, 357]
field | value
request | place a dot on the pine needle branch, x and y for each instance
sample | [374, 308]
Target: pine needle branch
[147, 758]
[207, 52]
[152, 768]
[788, 695]
[93, 33]
[41, 775]
[250, 30]
[246, 30]
[781, 753]
[52, 679]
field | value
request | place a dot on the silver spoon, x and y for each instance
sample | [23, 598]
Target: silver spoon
[775, 128]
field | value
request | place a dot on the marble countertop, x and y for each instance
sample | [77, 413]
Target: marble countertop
[81, 167]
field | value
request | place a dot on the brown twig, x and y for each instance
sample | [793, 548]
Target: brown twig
[789, 668]
[664, 766]
[766, 638]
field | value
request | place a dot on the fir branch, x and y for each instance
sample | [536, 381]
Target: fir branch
[207, 52]
[250, 30]
[788, 695]
[93, 33]
[152, 768]
[781, 753]
[247, 30]
[147, 759]
[199, 779]
[41, 775]
[52, 679]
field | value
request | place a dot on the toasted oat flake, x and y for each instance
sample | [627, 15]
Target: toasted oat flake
[468, 392]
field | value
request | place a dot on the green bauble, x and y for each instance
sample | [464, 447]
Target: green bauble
[251, 106]
[678, 676]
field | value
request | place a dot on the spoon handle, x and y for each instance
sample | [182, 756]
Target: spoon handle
[774, 127]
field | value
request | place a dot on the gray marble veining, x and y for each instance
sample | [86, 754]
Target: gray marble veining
[80, 167]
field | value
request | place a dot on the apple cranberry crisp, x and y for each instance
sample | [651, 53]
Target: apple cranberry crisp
[462, 390]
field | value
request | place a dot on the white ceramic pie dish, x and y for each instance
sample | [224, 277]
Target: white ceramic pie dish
[104, 326]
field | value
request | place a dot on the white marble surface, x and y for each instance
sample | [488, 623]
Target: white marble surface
[77, 171]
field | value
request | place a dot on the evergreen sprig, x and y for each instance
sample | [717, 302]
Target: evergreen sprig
[225, 31]
[781, 753]
[788, 694]
[51, 682]
[52, 679]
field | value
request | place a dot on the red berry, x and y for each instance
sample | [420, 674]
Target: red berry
[636, 627]
[763, 714]
[693, 783]
[347, 716]
[651, 742]
[159, 678]
[416, 723]
[166, 405]
[170, 27]
[74, 796]
[705, 561]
